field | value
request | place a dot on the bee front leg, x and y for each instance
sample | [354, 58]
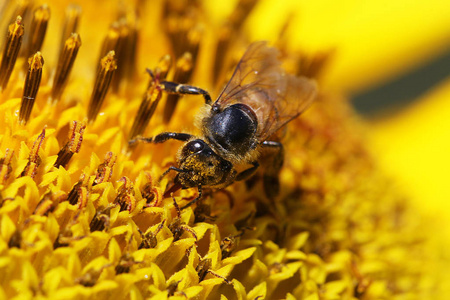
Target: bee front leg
[184, 89]
[272, 171]
[161, 138]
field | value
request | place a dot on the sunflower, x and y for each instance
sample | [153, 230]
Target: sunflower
[86, 214]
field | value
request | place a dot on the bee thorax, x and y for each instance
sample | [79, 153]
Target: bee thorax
[233, 129]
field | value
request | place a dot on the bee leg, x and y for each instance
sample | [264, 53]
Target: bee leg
[200, 192]
[161, 138]
[177, 88]
[272, 171]
[248, 172]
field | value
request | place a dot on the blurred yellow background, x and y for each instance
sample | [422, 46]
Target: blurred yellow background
[375, 42]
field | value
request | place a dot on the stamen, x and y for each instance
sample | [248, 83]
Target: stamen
[65, 64]
[34, 160]
[151, 99]
[12, 47]
[183, 73]
[240, 13]
[89, 279]
[229, 31]
[73, 145]
[5, 166]
[32, 82]
[65, 235]
[204, 267]
[129, 55]
[105, 170]
[48, 203]
[125, 196]
[225, 34]
[10, 11]
[229, 244]
[78, 194]
[82, 198]
[195, 35]
[150, 193]
[16, 239]
[172, 289]
[37, 30]
[111, 40]
[313, 66]
[123, 39]
[202, 213]
[71, 20]
[101, 220]
[125, 50]
[74, 193]
[105, 73]
[179, 20]
[177, 226]
[125, 264]
[149, 240]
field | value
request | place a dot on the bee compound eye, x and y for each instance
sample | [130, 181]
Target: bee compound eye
[195, 146]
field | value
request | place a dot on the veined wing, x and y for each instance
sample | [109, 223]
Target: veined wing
[260, 82]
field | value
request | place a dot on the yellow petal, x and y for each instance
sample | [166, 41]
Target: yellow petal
[413, 146]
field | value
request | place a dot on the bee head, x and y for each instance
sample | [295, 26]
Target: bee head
[200, 165]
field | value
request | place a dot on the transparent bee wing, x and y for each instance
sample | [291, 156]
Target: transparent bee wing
[260, 82]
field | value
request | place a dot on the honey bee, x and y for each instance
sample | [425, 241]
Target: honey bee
[259, 99]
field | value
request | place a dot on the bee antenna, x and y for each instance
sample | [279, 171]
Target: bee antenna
[171, 168]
